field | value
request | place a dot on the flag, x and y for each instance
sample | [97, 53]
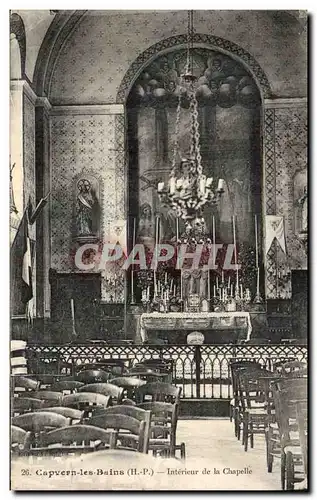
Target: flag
[274, 228]
[21, 268]
[26, 285]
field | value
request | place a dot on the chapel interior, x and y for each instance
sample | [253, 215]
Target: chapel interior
[153, 136]
[95, 108]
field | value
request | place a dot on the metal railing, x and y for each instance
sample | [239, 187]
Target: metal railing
[202, 371]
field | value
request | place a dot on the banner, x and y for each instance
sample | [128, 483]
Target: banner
[274, 228]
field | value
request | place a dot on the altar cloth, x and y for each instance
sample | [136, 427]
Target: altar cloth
[194, 321]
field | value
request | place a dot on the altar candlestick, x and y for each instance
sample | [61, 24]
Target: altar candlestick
[235, 249]
[258, 282]
[231, 290]
[181, 286]
[222, 277]
[217, 283]
[165, 278]
[256, 242]
[208, 283]
[229, 283]
[241, 291]
[213, 230]
[214, 290]
[171, 287]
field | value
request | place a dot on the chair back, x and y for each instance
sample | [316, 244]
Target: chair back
[111, 390]
[301, 420]
[164, 417]
[67, 386]
[134, 430]
[48, 397]
[20, 439]
[159, 391]
[39, 421]
[74, 415]
[22, 384]
[23, 405]
[86, 401]
[72, 439]
[93, 376]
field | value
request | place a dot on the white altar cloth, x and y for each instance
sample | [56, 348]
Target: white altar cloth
[194, 321]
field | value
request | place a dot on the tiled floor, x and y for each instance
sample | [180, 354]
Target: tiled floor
[211, 443]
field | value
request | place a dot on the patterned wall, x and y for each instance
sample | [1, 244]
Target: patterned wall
[102, 47]
[29, 175]
[285, 155]
[91, 144]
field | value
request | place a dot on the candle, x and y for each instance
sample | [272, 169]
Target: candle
[214, 290]
[256, 242]
[229, 283]
[222, 277]
[258, 281]
[213, 230]
[241, 291]
[177, 229]
[202, 183]
[208, 283]
[181, 286]
[174, 294]
[165, 278]
[171, 287]
[148, 293]
[231, 290]
[217, 283]
[172, 185]
[221, 184]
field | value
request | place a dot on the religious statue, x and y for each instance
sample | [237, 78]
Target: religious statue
[85, 208]
[304, 217]
[146, 230]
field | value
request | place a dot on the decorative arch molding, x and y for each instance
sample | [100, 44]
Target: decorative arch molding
[58, 32]
[18, 29]
[209, 41]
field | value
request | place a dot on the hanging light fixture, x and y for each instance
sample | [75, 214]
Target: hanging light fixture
[188, 189]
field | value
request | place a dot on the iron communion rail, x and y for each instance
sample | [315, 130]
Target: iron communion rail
[202, 371]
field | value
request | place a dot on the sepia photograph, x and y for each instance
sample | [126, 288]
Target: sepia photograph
[158, 171]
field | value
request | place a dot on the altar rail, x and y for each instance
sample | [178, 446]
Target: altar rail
[202, 371]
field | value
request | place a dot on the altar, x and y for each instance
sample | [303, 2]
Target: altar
[227, 326]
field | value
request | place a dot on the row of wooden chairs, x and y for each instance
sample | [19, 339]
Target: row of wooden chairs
[113, 367]
[79, 403]
[265, 402]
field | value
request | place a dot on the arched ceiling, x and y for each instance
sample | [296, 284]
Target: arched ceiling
[86, 54]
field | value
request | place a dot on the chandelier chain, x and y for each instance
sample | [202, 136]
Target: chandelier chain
[178, 115]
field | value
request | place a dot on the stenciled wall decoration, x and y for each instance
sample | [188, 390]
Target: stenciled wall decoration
[285, 140]
[86, 170]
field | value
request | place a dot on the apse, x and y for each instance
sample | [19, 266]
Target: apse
[229, 110]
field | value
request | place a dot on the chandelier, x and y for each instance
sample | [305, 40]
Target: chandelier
[188, 189]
